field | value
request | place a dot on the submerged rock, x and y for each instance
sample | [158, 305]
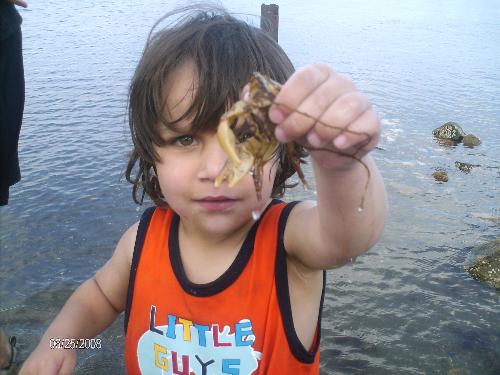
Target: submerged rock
[446, 142]
[465, 167]
[491, 217]
[451, 131]
[440, 176]
[487, 268]
[470, 140]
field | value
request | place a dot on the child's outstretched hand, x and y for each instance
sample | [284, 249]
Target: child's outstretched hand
[347, 123]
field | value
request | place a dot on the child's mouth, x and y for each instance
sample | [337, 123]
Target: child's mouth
[217, 203]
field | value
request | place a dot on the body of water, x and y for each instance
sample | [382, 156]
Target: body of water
[407, 306]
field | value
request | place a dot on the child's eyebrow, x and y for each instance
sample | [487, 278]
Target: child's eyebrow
[178, 128]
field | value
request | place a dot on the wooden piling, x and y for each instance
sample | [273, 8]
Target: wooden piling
[4, 349]
[269, 19]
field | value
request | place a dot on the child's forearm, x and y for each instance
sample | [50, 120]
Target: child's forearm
[340, 193]
[86, 313]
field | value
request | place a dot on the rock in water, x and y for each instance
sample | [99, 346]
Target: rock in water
[440, 176]
[487, 269]
[450, 130]
[465, 167]
[470, 140]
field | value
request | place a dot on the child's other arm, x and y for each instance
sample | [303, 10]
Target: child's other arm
[331, 232]
[90, 310]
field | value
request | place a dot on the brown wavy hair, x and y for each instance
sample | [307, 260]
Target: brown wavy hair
[225, 52]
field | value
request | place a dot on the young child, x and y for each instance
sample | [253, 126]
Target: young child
[205, 288]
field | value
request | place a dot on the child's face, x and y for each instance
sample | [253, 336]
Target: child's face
[189, 164]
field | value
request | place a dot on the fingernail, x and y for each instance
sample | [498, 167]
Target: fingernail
[280, 135]
[275, 115]
[313, 139]
[340, 142]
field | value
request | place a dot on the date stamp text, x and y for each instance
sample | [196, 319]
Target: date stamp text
[66, 343]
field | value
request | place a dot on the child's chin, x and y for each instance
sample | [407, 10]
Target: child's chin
[225, 223]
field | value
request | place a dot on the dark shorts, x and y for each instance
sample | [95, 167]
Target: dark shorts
[11, 110]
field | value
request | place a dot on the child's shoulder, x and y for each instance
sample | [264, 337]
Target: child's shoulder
[301, 233]
[299, 213]
[126, 244]
[125, 247]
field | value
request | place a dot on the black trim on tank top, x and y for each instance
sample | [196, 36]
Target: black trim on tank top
[296, 347]
[139, 242]
[224, 280]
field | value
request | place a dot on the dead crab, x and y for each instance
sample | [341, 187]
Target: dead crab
[246, 135]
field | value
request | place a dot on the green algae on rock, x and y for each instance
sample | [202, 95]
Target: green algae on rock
[451, 131]
[487, 268]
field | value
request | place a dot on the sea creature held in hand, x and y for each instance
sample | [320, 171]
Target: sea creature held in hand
[246, 134]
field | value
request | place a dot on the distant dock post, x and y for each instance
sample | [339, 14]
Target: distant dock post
[269, 19]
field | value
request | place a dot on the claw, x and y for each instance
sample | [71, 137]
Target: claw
[234, 171]
[227, 140]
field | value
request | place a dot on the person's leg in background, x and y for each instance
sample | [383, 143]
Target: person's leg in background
[8, 354]
[11, 111]
[11, 116]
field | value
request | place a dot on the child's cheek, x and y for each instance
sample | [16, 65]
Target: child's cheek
[173, 178]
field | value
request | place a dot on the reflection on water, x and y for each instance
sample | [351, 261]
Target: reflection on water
[407, 306]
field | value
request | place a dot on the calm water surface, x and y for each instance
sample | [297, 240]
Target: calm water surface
[407, 306]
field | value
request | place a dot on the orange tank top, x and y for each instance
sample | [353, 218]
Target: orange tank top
[241, 323]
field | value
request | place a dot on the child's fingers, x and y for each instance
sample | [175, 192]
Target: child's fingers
[298, 87]
[362, 134]
[310, 91]
[342, 112]
[313, 107]
[301, 84]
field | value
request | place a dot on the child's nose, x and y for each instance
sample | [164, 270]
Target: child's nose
[213, 159]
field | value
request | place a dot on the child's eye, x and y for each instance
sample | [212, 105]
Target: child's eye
[184, 140]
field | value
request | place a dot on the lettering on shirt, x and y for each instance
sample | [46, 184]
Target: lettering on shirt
[184, 347]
